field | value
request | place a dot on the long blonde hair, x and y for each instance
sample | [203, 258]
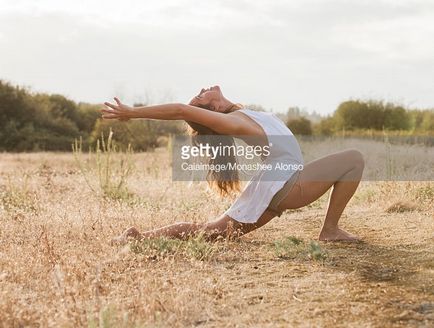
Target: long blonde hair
[225, 182]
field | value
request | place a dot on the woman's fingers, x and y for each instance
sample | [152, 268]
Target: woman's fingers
[112, 114]
[112, 111]
[111, 105]
[117, 101]
[109, 111]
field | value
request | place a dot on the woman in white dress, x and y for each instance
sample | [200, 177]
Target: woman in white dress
[261, 200]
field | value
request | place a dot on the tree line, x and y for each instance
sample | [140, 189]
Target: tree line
[50, 122]
[361, 117]
[46, 122]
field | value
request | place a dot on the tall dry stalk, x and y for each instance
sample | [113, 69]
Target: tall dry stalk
[112, 166]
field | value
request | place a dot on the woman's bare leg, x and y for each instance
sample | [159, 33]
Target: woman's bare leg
[222, 227]
[342, 171]
[180, 230]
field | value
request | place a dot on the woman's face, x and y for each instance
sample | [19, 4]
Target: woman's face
[210, 98]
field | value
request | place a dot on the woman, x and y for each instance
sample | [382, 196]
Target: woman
[260, 201]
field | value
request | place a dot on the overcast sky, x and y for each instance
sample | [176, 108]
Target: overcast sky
[308, 53]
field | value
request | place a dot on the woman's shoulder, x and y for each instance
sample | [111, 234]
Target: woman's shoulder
[257, 113]
[271, 121]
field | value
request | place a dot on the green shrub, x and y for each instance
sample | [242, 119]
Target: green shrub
[295, 248]
[301, 126]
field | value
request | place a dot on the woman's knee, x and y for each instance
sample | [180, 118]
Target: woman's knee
[355, 157]
[226, 228]
[216, 228]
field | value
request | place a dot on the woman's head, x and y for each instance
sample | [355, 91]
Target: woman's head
[225, 182]
[212, 99]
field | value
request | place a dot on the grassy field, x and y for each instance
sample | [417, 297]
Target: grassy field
[58, 269]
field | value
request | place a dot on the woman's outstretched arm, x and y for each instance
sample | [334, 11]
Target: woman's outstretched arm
[218, 122]
[121, 111]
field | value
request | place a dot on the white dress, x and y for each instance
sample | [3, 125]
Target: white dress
[260, 190]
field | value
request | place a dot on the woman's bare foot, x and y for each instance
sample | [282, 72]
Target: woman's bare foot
[122, 239]
[336, 234]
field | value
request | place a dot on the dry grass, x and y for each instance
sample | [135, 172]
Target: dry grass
[57, 268]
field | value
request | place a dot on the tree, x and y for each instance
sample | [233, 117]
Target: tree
[325, 127]
[301, 126]
[396, 118]
[428, 121]
[37, 121]
[376, 115]
[142, 135]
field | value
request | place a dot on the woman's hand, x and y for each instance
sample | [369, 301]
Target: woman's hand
[119, 111]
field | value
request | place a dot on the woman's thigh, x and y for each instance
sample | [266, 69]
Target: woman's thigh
[319, 176]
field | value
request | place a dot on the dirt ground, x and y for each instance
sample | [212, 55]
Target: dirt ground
[57, 268]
